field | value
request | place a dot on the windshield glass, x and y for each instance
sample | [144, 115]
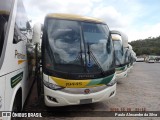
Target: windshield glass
[64, 39]
[118, 52]
[98, 46]
[5, 7]
[118, 48]
[64, 46]
[126, 55]
[77, 47]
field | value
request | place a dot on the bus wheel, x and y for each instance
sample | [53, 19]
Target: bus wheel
[17, 105]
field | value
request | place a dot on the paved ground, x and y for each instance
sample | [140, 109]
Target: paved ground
[139, 90]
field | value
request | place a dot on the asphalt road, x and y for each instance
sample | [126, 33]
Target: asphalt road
[139, 91]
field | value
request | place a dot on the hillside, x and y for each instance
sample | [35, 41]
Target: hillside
[149, 46]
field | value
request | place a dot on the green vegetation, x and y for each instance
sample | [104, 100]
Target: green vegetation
[149, 46]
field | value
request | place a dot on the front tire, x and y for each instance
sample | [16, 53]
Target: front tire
[17, 104]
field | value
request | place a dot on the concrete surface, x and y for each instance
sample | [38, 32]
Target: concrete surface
[140, 90]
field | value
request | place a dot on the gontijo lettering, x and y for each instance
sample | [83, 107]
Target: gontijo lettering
[19, 55]
[74, 84]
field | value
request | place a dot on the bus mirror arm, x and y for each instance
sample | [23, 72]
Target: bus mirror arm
[19, 39]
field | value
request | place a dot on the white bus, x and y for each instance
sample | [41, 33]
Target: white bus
[15, 32]
[120, 54]
[130, 58]
[77, 60]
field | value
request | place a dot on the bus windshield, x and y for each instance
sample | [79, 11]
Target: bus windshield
[77, 47]
[126, 55]
[118, 51]
[5, 7]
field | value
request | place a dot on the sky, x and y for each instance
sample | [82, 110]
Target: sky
[139, 19]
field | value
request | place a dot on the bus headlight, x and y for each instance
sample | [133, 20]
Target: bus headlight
[112, 82]
[51, 85]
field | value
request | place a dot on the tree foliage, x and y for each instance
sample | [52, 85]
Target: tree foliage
[149, 46]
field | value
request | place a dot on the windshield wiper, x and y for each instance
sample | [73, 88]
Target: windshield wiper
[80, 54]
[91, 55]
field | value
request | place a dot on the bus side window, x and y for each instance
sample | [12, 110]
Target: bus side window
[2, 32]
[20, 30]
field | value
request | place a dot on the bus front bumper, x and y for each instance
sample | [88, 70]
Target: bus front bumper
[129, 68]
[122, 74]
[59, 98]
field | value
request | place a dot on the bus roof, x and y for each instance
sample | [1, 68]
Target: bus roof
[116, 38]
[115, 35]
[74, 17]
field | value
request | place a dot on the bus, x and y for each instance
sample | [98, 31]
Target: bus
[77, 60]
[130, 57]
[15, 35]
[121, 64]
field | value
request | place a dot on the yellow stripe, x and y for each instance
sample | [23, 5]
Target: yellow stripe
[74, 17]
[67, 83]
[21, 61]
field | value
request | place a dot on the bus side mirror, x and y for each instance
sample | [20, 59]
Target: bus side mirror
[17, 35]
[28, 26]
[37, 33]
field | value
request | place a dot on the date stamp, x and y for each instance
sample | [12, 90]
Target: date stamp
[127, 109]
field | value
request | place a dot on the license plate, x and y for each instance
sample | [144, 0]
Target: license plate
[85, 101]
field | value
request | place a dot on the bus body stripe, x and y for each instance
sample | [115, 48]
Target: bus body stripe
[21, 61]
[16, 79]
[121, 68]
[101, 81]
[70, 83]
[67, 83]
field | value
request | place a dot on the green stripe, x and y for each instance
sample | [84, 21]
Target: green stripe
[99, 81]
[16, 79]
[121, 68]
